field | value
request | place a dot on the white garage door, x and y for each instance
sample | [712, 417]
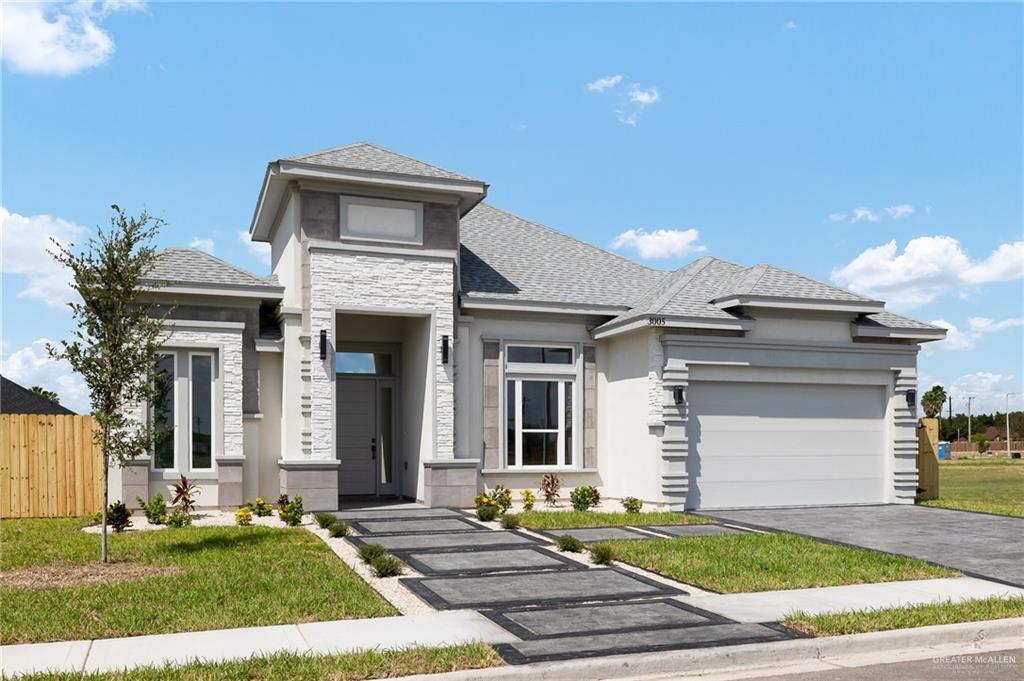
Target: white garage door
[785, 444]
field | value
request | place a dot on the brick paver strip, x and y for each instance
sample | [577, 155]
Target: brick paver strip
[417, 525]
[532, 558]
[454, 540]
[588, 535]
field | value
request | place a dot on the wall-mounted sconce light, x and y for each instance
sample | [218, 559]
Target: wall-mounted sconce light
[677, 394]
[323, 344]
[444, 349]
[911, 399]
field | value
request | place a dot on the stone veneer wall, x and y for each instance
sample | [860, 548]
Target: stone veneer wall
[409, 285]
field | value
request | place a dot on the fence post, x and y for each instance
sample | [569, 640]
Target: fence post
[927, 459]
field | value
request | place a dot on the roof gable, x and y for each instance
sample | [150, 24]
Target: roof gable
[774, 282]
[371, 158]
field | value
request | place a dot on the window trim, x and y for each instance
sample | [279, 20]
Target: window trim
[151, 413]
[537, 367]
[214, 449]
[564, 383]
[345, 233]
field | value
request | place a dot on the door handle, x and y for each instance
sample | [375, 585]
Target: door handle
[373, 448]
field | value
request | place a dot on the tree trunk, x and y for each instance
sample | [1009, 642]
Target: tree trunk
[106, 501]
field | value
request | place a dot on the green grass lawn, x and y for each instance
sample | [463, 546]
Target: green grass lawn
[737, 563]
[346, 667]
[992, 486]
[861, 621]
[220, 577]
[560, 520]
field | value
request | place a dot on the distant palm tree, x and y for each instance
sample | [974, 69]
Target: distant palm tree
[48, 394]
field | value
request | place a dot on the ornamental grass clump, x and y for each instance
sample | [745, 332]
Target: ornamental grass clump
[386, 565]
[324, 520]
[510, 521]
[367, 552]
[602, 554]
[339, 528]
[569, 543]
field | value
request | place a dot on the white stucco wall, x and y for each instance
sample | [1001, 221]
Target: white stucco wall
[286, 253]
[269, 427]
[374, 284]
[627, 449]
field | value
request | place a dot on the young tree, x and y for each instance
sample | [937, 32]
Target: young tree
[933, 400]
[115, 346]
[48, 394]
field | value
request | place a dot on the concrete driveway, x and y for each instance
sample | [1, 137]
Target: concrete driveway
[978, 544]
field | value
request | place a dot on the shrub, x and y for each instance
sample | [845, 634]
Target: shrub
[118, 516]
[550, 485]
[528, 499]
[502, 496]
[282, 501]
[292, 512]
[569, 543]
[981, 442]
[324, 520]
[260, 507]
[178, 518]
[510, 521]
[339, 528]
[155, 509]
[632, 504]
[602, 554]
[243, 516]
[370, 551]
[584, 498]
[185, 493]
[386, 565]
[487, 512]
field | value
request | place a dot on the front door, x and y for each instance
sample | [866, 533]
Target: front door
[365, 436]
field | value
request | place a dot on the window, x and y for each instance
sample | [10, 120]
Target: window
[163, 412]
[184, 412]
[540, 381]
[381, 220]
[375, 363]
[201, 435]
[540, 422]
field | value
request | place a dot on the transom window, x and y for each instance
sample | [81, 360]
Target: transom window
[183, 412]
[374, 363]
[540, 382]
[381, 219]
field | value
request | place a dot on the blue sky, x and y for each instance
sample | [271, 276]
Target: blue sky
[875, 146]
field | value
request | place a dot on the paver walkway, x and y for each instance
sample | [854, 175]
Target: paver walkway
[979, 544]
[561, 608]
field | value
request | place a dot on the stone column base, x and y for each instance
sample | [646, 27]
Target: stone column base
[451, 482]
[316, 481]
[135, 481]
[229, 481]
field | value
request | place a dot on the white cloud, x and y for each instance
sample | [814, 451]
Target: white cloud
[205, 245]
[989, 390]
[257, 249]
[661, 243]
[927, 267]
[644, 96]
[32, 365]
[836, 217]
[602, 84]
[986, 325]
[861, 214]
[900, 211]
[25, 241]
[58, 39]
[789, 26]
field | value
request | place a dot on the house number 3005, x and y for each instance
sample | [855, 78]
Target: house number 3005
[656, 321]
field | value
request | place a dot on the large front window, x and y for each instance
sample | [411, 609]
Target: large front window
[184, 411]
[539, 420]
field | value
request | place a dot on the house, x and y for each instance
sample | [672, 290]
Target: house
[15, 399]
[414, 341]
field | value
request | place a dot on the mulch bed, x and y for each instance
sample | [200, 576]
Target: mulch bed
[64, 575]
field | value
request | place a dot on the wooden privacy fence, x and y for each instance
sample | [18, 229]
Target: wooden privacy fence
[49, 466]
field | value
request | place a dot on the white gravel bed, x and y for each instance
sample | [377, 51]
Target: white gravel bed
[205, 518]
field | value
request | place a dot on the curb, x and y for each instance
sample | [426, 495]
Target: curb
[707, 660]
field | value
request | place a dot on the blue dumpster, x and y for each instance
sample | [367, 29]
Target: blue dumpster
[943, 450]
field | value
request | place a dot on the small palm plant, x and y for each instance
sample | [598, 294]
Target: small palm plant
[185, 492]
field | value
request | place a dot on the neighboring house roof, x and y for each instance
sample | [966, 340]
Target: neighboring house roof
[189, 266]
[891, 320]
[15, 399]
[509, 258]
[371, 158]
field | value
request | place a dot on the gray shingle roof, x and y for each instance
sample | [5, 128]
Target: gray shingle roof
[371, 158]
[191, 266]
[504, 256]
[16, 399]
[768, 280]
[895, 321]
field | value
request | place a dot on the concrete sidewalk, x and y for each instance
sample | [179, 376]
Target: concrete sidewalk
[771, 606]
[321, 638]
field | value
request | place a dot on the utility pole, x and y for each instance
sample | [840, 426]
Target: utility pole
[1008, 422]
[969, 398]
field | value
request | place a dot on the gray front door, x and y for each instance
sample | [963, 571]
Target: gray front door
[357, 435]
[366, 429]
